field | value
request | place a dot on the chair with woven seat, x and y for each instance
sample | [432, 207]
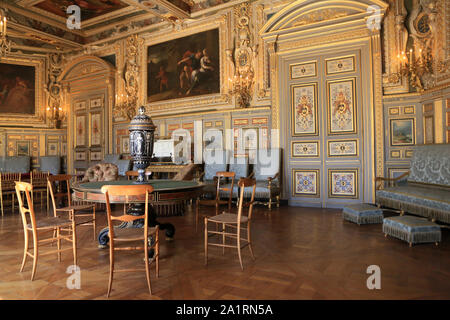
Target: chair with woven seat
[34, 226]
[119, 236]
[7, 186]
[39, 182]
[221, 190]
[56, 185]
[234, 222]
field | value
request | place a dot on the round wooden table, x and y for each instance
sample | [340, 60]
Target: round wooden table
[168, 199]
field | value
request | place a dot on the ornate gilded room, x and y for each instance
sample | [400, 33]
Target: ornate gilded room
[236, 149]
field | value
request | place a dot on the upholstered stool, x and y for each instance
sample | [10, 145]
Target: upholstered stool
[362, 213]
[412, 229]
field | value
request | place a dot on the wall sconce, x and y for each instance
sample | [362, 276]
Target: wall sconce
[241, 84]
[5, 45]
[56, 115]
[125, 106]
[415, 65]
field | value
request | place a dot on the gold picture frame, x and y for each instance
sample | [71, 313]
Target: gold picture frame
[341, 100]
[305, 149]
[38, 117]
[337, 183]
[303, 70]
[23, 148]
[343, 148]
[52, 148]
[402, 132]
[304, 111]
[306, 183]
[80, 130]
[339, 65]
[95, 129]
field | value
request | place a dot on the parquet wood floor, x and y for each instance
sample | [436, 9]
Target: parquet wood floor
[301, 253]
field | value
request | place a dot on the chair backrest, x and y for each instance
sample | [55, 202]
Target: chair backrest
[268, 164]
[123, 166]
[51, 164]
[19, 164]
[39, 179]
[7, 180]
[246, 183]
[130, 174]
[26, 188]
[126, 191]
[111, 158]
[214, 162]
[56, 185]
[221, 189]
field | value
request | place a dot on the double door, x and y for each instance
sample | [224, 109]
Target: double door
[324, 133]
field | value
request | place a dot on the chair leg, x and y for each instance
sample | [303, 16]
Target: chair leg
[278, 201]
[157, 251]
[74, 242]
[58, 242]
[249, 239]
[25, 250]
[35, 258]
[223, 238]
[197, 203]
[111, 267]
[206, 240]
[93, 222]
[1, 202]
[147, 268]
[13, 200]
[239, 247]
[270, 203]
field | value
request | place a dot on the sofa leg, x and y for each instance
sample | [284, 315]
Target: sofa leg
[402, 212]
[436, 243]
[270, 203]
[278, 201]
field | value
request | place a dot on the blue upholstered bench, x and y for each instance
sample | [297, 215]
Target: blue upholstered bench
[362, 213]
[412, 229]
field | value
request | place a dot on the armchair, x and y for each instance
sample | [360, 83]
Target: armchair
[214, 162]
[50, 164]
[266, 172]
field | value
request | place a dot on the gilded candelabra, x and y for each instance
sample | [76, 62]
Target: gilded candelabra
[415, 65]
[5, 44]
[55, 114]
[125, 106]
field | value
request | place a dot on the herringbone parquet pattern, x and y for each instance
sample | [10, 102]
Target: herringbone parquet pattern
[301, 253]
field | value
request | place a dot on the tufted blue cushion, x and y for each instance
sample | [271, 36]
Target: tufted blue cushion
[362, 213]
[267, 165]
[412, 229]
[431, 164]
[19, 164]
[123, 166]
[50, 164]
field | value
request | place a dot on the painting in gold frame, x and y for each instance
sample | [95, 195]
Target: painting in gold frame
[343, 183]
[303, 70]
[23, 148]
[402, 132]
[340, 65]
[17, 89]
[95, 125]
[305, 183]
[341, 106]
[80, 131]
[302, 149]
[52, 148]
[304, 109]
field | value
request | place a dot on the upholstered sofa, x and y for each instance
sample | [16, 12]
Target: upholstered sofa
[19, 164]
[50, 164]
[426, 191]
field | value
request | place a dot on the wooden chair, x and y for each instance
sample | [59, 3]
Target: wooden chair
[39, 182]
[42, 226]
[233, 221]
[220, 189]
[7, 187]
[124, 235]
[57, 193]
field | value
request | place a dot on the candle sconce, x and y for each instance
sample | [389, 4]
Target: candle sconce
[415, 65]
[5, 44]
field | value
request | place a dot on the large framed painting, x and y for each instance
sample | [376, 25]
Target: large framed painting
[304, 109]
[17, 89]
[402, 132]
[184, 67]
[341, 106]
